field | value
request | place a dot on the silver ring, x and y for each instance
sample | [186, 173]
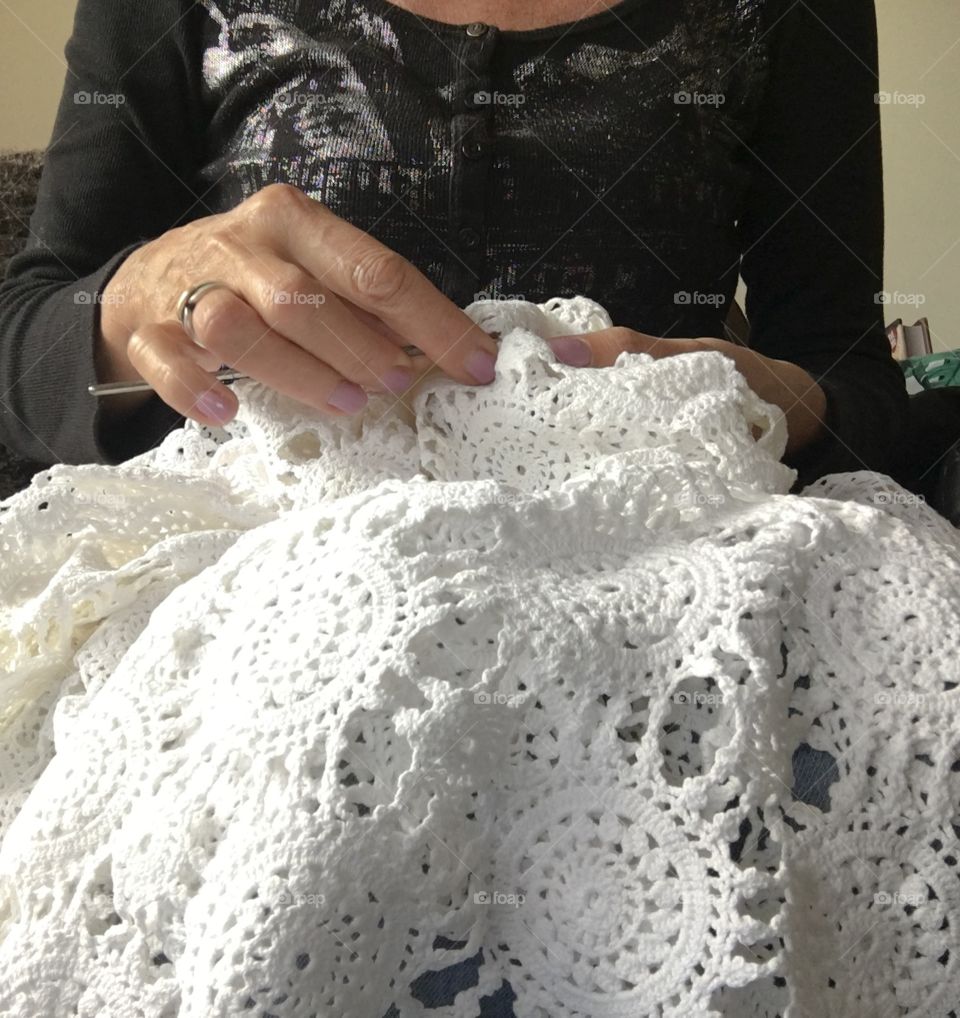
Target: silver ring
[188, 301]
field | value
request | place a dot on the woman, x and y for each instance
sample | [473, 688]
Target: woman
[351, 173]
[639, 153]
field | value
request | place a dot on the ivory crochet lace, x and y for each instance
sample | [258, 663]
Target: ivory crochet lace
[303, 710]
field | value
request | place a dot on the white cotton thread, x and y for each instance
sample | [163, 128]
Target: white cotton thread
[287, 701]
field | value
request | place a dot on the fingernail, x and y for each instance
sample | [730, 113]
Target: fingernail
[571, 350]
[214, 406]
[398, 380]
[481, 366]
[348, 397]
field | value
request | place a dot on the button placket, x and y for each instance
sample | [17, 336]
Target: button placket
[471, 126]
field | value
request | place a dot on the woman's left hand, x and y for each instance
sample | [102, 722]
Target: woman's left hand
[784, 384]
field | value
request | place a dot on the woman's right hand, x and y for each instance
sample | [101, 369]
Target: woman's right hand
[320, 311]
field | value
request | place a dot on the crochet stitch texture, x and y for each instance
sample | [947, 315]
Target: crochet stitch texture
[302, 710]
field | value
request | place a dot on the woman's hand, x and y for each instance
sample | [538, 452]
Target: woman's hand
[321, 312]
[779, 382]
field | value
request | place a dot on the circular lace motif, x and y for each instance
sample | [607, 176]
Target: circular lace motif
[884, 895]
[605, 899]
[538, 683]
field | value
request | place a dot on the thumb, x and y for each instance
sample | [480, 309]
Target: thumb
[600, 348]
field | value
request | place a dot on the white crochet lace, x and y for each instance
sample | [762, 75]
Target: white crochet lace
[301, 711]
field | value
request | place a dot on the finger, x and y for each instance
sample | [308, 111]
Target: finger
[161, 355]
[371, 321]
[601, 348]
[226, 325]
[292, 304]
[354, 265]
[206, 359]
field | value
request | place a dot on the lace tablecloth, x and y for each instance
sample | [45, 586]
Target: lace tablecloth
[299, 712]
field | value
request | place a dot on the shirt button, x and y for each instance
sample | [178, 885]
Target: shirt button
[473, 149]
[469, 238]
[476, 29]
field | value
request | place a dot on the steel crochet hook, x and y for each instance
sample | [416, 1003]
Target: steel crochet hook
[225, 374]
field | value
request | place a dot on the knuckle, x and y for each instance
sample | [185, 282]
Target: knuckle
[216, 320]
[625, 339]
[164, 379]
[220, 244]
[283, 288]
[366, 353]
[218, 254]
[380, 275]
[275, 200]
[152, 366]
[139, 351]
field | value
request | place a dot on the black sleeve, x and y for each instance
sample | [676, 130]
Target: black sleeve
[118, 172]
[811, 231]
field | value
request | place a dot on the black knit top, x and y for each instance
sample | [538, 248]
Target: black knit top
[642, 156]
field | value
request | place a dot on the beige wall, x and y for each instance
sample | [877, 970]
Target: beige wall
[919, 56]
[32, 68]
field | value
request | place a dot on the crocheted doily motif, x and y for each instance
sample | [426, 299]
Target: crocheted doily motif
[301, 712]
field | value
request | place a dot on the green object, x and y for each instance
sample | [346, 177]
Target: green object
[934, 370]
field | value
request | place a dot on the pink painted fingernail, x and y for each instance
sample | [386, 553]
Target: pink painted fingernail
[481, 365]
[213, 405]
[348, 397]
[571, 350]
[398, 380]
